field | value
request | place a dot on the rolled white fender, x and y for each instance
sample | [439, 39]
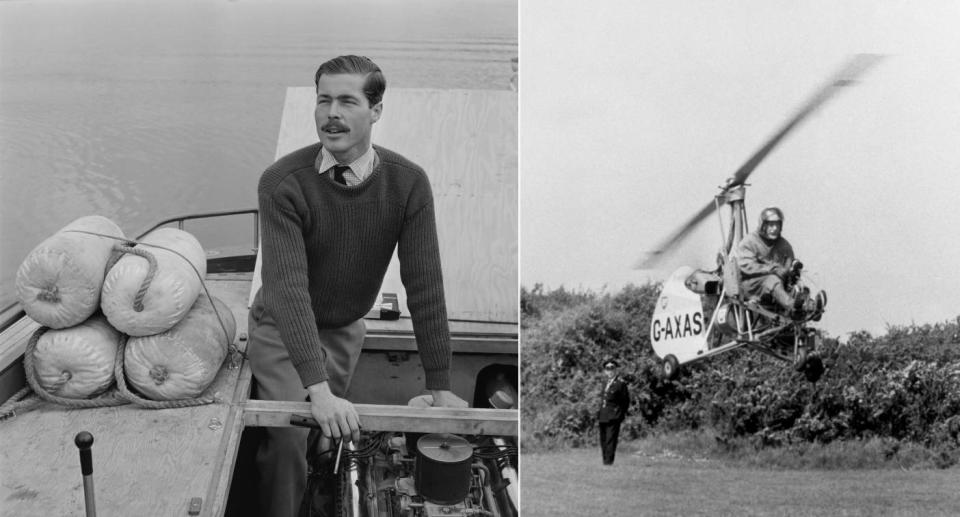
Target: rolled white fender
[181, 362]
[59, 282]
[180, 265]
[77, 362]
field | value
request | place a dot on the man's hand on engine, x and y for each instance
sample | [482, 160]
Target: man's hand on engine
[446, 398]
[337, 417]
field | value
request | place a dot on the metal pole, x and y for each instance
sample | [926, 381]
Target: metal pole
[84, 441]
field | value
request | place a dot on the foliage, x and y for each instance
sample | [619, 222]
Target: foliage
[902, 387]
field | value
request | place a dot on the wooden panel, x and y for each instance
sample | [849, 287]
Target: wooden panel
[14, 339]
[466, 140]
[146, 462]
[466, 328]
[497, 422]
[459, 345]
[11, 381]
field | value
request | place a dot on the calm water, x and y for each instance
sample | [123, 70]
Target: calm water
[140, 110]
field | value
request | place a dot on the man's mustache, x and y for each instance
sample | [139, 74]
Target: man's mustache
[333, 125]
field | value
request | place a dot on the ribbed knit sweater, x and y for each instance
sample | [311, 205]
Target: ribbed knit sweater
[326, 248]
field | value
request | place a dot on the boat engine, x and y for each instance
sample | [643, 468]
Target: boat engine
[426, 475]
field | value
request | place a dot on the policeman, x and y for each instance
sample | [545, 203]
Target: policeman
[767, 266]
[614, 402]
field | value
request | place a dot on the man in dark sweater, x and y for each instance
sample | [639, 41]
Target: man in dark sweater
[330, 215]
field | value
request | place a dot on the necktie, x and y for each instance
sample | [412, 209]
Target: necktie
[338, 171]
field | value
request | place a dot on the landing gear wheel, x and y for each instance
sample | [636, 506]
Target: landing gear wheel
[671, 368]
[813, 368]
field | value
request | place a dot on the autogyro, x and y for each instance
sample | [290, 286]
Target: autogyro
[702, 313]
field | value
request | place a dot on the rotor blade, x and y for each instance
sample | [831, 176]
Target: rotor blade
[650, 259]
[845, 77]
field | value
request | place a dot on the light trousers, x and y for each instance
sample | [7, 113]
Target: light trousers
[281, 457]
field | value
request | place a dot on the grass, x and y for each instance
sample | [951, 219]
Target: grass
[874, 453]
[644, 482]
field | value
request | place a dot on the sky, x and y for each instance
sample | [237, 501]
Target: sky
[633, 113]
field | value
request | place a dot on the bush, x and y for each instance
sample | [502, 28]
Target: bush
[902, 386]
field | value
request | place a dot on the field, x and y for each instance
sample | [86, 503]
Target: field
[574, 482]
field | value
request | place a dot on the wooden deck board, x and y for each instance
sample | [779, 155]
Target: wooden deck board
[146, 462]
[14, 340]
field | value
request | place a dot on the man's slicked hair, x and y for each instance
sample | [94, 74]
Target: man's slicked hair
[373, 86]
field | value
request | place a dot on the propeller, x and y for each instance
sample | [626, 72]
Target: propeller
[847, 76]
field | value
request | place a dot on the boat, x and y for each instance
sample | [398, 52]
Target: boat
[182, 460]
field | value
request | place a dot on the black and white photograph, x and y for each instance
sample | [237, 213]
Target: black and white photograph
[738, 282]
[464, 258]
[259, 258]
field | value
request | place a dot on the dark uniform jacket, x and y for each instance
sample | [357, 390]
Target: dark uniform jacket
[614, 401]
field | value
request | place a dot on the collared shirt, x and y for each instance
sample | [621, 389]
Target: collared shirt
[359, 168]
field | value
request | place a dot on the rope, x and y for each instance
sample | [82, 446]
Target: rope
[128, 247]
[18, 402]
[127, 395]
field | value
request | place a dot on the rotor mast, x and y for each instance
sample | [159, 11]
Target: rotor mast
[737, 228]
